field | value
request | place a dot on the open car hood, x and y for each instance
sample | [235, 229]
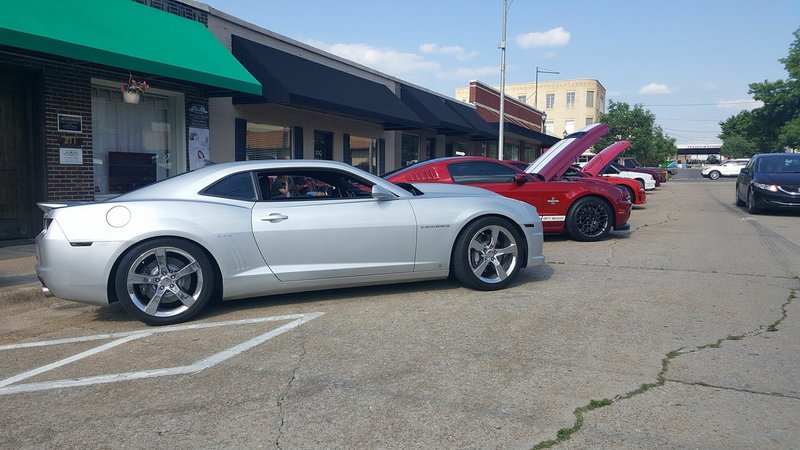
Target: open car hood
[602, 159]
[555, 161]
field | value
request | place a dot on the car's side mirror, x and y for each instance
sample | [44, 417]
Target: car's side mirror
[745, 170]
[380, 193]
[520, 179]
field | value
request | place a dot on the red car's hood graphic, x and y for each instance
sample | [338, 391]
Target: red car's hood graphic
[601, 160]
[555, 161]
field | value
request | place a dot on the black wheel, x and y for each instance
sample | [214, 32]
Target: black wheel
[164, 281]
[739, 201]
[488, 254]
[589, 219]
[752, 203]
[714, 175]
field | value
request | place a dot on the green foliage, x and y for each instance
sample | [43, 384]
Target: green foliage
[775, 125]
[649, 144]
[738, 146]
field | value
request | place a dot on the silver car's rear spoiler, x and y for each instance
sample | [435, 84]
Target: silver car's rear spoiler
[48, 206]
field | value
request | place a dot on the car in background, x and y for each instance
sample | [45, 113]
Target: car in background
[769, 181]
[586, 209]
[629, 163]
[241, 229]
[595, 166]
[729, 168]
[644, 179]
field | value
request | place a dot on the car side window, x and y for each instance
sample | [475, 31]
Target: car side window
[481, 172]
[310, 185]
[237, 186]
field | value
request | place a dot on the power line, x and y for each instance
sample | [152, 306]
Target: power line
[710, 104]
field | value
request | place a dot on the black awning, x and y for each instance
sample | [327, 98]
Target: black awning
[480, 128]
[545, 139]
[433, 110]
[294, 81]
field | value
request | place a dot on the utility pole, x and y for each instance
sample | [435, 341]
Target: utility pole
[536, 88]
[502, 83]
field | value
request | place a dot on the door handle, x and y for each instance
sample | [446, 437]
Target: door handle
[274, 218]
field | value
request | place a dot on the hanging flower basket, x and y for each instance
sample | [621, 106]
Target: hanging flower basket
[130, 97]
[132, 90]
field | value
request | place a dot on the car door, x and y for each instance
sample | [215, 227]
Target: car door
[342, 233]
[744, 178]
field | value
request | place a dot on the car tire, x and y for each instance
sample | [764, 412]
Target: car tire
[488, 254]
[752, 202]
[164, 281]
[641, 182]
[589, 219]
[714, 175]
[631, 195]
[739, 201]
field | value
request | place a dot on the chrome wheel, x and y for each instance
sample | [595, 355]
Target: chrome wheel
[488, 254]
[164, 281]
[493, 254]
[714, 175]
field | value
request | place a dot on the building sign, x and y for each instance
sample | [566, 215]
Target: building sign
[197, 114]
[70, 156]
[70, 124]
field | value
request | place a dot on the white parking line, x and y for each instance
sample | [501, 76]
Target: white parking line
[7, 385]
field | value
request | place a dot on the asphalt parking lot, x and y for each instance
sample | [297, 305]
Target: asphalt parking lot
[680, 333]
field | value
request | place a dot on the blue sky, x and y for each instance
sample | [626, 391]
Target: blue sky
[689, 62]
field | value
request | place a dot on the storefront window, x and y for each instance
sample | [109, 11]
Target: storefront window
[135, 144]
[268, 141]
[410, 149]
[364, 153]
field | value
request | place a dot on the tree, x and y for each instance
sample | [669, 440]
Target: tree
[649, 144]
[775, 125]
[737, 146]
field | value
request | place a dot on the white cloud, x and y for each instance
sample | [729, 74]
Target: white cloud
[557, 37]
[454, 50]
[657, 89]
[740, 105]
[468, 73]
[385, 60]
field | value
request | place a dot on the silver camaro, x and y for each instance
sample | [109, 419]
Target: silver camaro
[256, 228]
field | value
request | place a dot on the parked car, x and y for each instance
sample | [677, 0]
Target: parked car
[586, 209]
[630, 164]
[594, 168]
[644, 179]
[769, 181]
[633, 189]
[729, 168]
[244, 229]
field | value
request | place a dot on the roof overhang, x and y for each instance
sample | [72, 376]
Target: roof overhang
[291, 80]
[125, 35]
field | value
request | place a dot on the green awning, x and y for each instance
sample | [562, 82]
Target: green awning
[126, 35]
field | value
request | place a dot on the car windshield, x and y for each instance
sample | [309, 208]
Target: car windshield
[779, 164]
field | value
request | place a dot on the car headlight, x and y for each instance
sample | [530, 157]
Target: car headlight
[766, 187]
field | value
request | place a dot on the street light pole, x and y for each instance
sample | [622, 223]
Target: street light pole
[502, 83]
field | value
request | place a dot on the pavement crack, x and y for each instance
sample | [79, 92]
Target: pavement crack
[661, 378]
[282, 399]
[728, 388]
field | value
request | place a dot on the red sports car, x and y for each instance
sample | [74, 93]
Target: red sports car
[596, 165]
[636, 194]
[586, 209]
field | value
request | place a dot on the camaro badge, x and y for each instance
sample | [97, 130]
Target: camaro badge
[553, 201]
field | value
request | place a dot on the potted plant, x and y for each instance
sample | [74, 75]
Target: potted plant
[132, 89]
